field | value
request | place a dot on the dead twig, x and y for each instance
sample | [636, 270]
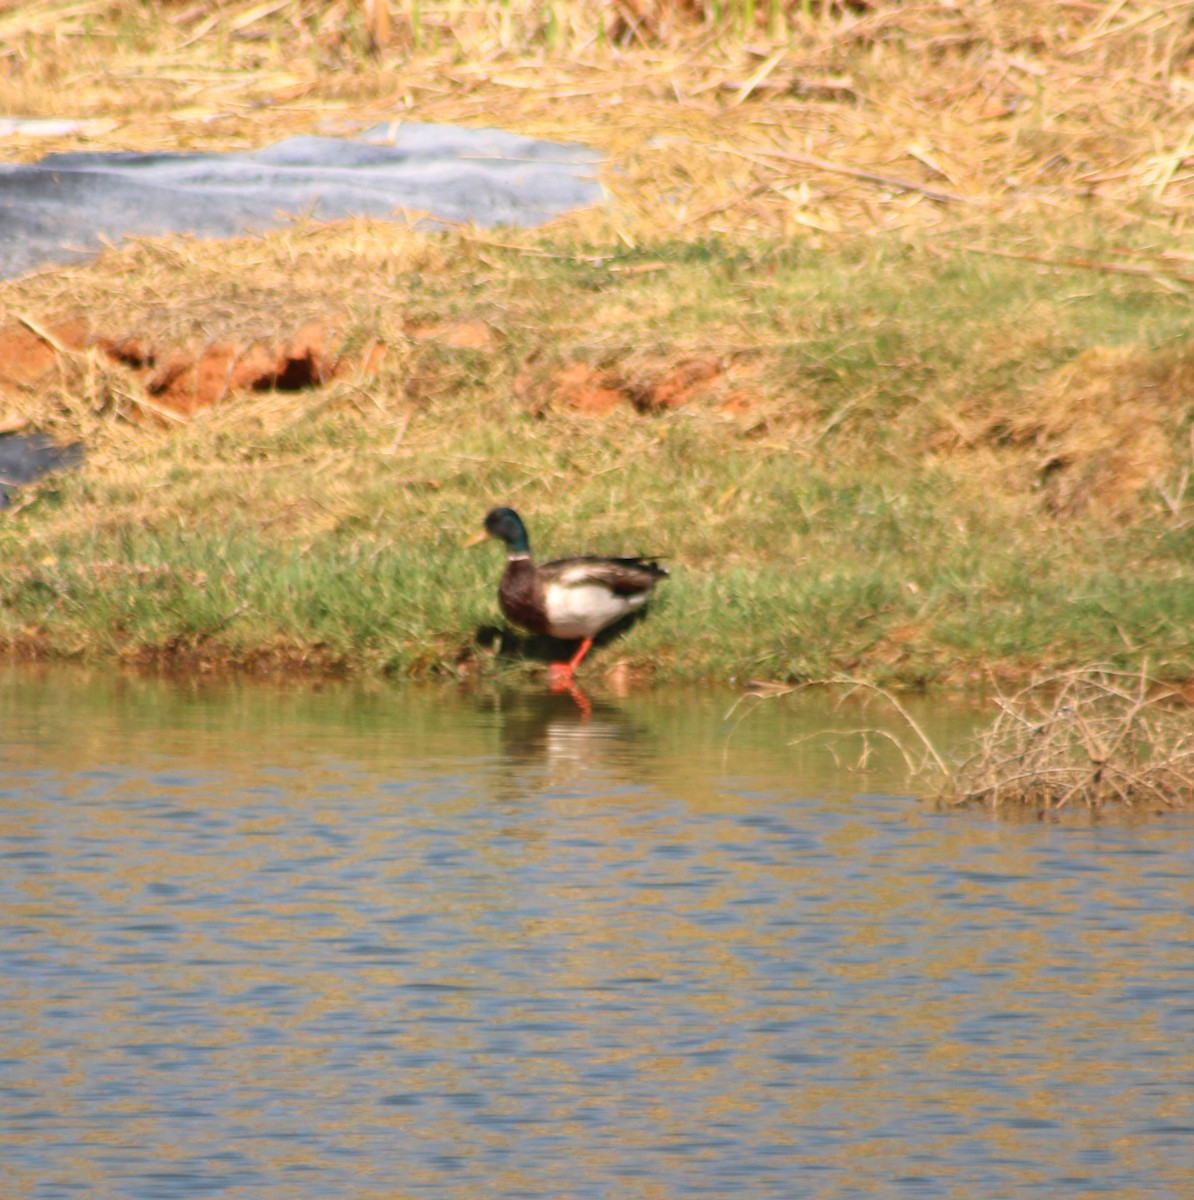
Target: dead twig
[40, 331]
[1081, 264]
[823, 164]
[908, 718]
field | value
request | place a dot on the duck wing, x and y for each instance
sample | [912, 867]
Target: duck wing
[622, 576]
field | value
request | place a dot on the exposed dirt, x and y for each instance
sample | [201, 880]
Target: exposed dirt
[659, 385]
[676, 385]
[26, 356]
[583, 388]
[186, 378]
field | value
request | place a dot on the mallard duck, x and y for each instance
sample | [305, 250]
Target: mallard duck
[571, 597]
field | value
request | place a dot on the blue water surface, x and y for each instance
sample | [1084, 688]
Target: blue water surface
[282, 942]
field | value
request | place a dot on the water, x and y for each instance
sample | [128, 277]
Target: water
[298, 943]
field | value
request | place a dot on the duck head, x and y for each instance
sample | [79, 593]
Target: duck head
[505, 524]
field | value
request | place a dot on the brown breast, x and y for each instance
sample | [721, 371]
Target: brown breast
[521, 596]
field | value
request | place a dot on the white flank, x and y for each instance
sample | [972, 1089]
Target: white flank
[583, 610]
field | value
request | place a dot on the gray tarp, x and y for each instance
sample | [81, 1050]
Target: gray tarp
[23, 457]
[57, 209]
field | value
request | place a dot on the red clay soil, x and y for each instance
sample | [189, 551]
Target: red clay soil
[596, 391]
[25, 356]
[677, 385]
[585, 389]
[185, 379]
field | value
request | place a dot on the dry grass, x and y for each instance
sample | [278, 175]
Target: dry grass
[1092, 737]
[1100, 434]
[792, 120]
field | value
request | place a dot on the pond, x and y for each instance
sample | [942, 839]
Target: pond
[283, 941]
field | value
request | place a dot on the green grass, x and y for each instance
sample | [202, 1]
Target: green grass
[827, 530]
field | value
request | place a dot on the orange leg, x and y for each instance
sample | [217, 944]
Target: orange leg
[584, 649]
[561, 673]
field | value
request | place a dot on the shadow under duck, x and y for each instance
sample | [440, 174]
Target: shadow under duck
[567, 598]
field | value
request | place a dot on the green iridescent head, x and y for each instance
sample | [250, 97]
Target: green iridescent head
[506, 524]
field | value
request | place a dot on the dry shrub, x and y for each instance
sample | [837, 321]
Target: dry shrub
[1092, 736]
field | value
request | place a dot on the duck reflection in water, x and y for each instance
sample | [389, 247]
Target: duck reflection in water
[562, 740]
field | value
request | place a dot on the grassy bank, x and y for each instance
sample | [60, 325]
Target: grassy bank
[866, 440]
[867, 477]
